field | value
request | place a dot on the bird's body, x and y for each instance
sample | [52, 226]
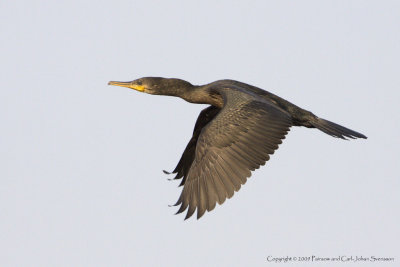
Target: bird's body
[235, 135]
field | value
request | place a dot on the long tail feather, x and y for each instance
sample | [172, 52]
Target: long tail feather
[336, 130]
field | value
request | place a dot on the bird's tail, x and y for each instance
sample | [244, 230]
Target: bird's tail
[335, 130]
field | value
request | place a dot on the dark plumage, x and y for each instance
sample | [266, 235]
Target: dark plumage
[235, 135]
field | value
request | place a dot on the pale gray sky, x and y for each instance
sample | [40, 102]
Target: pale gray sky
[80, 173]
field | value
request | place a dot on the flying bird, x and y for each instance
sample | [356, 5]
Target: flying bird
[232, 137]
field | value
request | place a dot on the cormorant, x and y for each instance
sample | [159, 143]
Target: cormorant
[233, 136]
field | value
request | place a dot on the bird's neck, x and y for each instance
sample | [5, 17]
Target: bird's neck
[201, 95]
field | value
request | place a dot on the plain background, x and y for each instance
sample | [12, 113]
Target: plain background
[81, 180]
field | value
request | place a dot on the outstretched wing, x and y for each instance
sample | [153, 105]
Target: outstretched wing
[237, 141]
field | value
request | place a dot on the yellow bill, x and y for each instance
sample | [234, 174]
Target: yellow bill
[131, 85]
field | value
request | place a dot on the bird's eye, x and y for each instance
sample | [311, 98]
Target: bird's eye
[139, 82]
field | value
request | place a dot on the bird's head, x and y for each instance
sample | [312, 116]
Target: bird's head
[157, 85]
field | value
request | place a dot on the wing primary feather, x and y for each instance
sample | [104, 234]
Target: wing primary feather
[192, 201]
[202, 202]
